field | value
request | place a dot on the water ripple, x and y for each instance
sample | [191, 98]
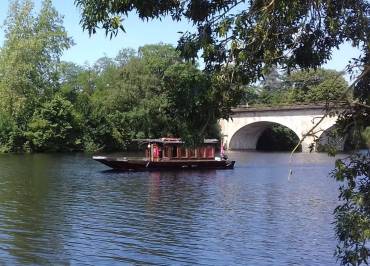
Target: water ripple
[66, 210]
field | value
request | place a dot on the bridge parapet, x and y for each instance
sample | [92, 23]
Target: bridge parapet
[264, 108]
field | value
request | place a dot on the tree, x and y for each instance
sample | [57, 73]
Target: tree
[136, 99]
[243, 39]
[272, 80]
[252, 95]
[124, 56]
[254, 36]
[29, 62]
[54, 127]
[185, 81]
[7, 129]
[307, 86]
[352, 216]
[320, 85]
[145, 97]
[277, 138]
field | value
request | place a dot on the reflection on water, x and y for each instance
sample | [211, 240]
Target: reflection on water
[67, 209]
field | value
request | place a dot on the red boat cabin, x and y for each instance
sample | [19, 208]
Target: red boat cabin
[165, 149]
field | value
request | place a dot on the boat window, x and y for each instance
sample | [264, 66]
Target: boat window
[147, 153]
[191, 153]
[183, 152]
[167, 151]
[202, 152]
[155, 151]
[174, 151]
[160, 152]
[210, 152]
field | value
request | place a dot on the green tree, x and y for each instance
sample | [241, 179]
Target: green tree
[253, 35]
[70, 80]
[124, 56]
[29, 62]
[122, 98]
[352, 216]
[132, 95]
[272, 80]
[143, 98]
[7, 129]
[307, 86]
[277, 138]
[252, 95]
[319, 85]
[54, 127]
[184, 81]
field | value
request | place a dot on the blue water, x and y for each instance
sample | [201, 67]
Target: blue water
[69, 210]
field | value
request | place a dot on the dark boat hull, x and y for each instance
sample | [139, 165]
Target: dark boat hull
[123, 164]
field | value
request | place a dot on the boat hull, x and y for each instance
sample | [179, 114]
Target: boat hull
[124, 164]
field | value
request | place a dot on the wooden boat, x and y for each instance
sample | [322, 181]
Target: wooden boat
[170, 153]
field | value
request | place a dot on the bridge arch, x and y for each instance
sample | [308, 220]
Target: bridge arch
[250, 122]
[329, 138]
[246, 137]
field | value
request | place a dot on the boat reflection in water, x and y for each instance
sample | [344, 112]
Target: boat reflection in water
[170, 153]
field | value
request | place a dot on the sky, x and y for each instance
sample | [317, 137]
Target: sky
[88, 49]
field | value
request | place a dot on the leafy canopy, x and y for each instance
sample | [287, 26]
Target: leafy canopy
[54, 126]
[29, 61]
[308, 86]
[250, 34]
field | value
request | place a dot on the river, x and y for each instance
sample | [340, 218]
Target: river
[67, 209]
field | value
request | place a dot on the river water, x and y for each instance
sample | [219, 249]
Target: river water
[68, 210]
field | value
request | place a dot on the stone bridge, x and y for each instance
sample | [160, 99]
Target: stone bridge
[243, 129]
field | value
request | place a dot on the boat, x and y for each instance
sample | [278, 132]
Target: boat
[171, 154]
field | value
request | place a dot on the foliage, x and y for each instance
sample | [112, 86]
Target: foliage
[277, 138]
[28, 67]
[254, 35]
[202, 94]
[318, 85]
[144, 97]
[7, 126]
[252, 95]
[272, 80]
[307, 86]
[353, 215]
[29, 58]
[54, 127]
[48, 105]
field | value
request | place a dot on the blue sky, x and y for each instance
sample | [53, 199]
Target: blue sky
[138, 33]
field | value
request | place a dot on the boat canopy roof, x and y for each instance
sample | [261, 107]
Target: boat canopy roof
[173, 141]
